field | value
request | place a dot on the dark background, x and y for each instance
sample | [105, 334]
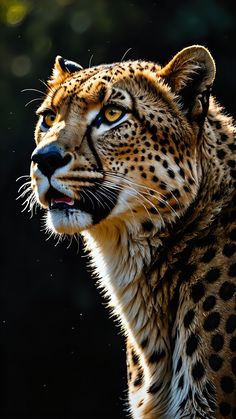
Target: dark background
[61, 355]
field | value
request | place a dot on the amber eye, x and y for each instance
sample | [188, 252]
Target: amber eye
[48, 120]
[113, 114]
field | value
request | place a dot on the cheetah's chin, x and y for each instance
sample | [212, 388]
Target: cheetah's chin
[68, 220]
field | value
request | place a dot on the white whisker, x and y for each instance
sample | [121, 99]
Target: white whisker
[90, 61]
[156, 194]
[126, 52]
[33, 90]
[47, 86]
[33, 100]
[21, 177]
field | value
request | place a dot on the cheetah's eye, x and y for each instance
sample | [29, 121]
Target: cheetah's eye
[112, 114]
[48, 120]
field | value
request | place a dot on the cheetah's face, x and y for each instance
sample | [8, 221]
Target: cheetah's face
[113, 142]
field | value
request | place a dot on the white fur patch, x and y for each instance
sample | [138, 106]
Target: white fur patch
[68, 221]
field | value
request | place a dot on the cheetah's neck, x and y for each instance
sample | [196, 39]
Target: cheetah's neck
[121, 263]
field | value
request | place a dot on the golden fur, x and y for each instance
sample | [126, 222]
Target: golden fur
[140, 160]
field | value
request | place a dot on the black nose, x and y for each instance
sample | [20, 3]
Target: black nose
[49, 159]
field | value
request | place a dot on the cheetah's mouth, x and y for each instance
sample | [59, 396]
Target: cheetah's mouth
[92, 200]
[59, 201]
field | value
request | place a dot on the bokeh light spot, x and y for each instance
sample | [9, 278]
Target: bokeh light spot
[16, 13]
[80, 21]
[21, 65]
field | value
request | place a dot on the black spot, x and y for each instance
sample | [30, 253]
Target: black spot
[198, 371]
[218, 125]
[232, 344]
[187, 272]
[212, 321]
[221, 154]
[135, 358]
[227, 384]
[171, 173]
[224, 137]
[215, 362]
[231, 324]
[233, 363]
[176, 193]
[192, 344]
[212, 275]
[141, 403]
[147, 225]
[209, 255]
[153, 129]
[217, 342]
[209, 303]
[176, 206]
[233, 173]
[153, 210]
[232, 146]
[165, 164]
[144, 343]
[155, 179]
[197, 292]
[227, 290]
[232, 270]
[182, 174]
[152, 169]
[139, 379]
[232, 234]
[229, 249]
[163, 185]
[181, 382]
[157, 356]
[186, 188]
[231, 163]
[188, 318]
[179, 364]
[154, 388]
[225, 409]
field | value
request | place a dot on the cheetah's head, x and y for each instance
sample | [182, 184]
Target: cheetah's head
[120, 141]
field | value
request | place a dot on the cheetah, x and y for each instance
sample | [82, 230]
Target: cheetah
[139, 159]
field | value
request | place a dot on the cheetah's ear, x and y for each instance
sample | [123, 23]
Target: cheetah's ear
[191, 74]
[62, 68]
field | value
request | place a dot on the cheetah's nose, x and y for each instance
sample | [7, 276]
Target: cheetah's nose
[49, 159]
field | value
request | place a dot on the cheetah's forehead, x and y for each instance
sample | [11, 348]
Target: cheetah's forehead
[95, 84]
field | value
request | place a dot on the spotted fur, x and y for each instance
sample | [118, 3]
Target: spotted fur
[153, 195]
